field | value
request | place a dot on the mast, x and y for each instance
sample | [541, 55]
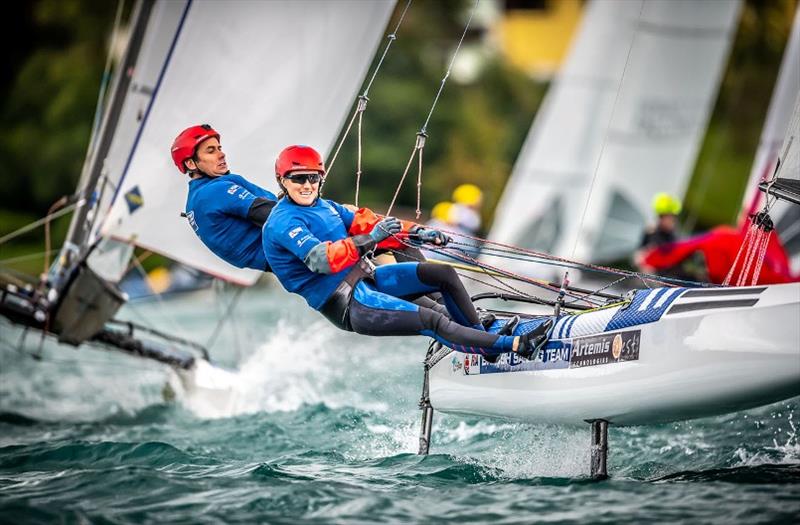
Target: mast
[74, 248]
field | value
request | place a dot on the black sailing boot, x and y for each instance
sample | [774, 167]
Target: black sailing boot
[506, 329]
[531, 344]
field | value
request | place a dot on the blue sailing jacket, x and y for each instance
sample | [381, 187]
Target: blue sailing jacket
[217, 207]
[291, 232]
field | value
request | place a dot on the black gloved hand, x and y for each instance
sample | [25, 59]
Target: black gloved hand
[386, 228]
[430, 236]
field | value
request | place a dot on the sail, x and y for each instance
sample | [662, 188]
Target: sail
[265, 74]
[773, 138]
[622, 121]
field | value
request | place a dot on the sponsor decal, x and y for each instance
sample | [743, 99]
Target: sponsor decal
[134, 199]
[573, 353]
[472, 364]
[605, 349]
[293, 233]
[456, 362]
[555, 356]
[192, 223]
[616, 346]
[233, 189]
[303, 240]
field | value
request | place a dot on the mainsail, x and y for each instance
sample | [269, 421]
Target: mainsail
[265, 74]
[623, 121]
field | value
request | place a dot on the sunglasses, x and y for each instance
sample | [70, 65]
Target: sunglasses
[302, 178]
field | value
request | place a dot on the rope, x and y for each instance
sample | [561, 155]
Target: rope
[35, 224]
[463, 256]
[751, 251]
[422, 134]
[55, 206]
[363, 99]
[98, 110]
[731, 272]
[160, 300]
[228, 311]
[449, 68]
[761, 255]
[540, 257]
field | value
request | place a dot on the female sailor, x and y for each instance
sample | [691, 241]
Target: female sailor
[317, 248]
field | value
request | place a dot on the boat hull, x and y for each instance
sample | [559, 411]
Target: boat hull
[670, 354]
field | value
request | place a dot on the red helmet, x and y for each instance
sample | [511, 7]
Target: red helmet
[185, 144]
[296, 158]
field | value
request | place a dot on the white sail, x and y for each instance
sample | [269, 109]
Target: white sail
[264, 74]
[773, 138]
[623, 121]
[161, 30]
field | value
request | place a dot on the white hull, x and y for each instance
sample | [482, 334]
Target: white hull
[692, 357]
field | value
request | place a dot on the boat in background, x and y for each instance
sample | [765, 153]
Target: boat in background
[623, 120]
[130, 194]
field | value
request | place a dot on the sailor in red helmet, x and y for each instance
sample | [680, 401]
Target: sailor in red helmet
[226, 211]
[319, 249]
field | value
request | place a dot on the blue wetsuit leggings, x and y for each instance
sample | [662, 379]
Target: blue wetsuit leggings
[384, 307]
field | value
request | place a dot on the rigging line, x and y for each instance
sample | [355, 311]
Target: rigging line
[20, 258]
[422, 134]
[403, 178]
[608, 127]
[160, 300]
[466, 258]
[540, 259]
[101, 96]
[473, 268]
[522, 258]
[363, 98]
[537, 300]
[609, 285]
[391, 37]
[505, 286]
[520, 292]
[450, 67]
[231, 306]
[490, 274]
[580, 265]
[509, 275]
[55, 206]
[37, 223]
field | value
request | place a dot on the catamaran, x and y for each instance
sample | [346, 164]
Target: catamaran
[129, 195]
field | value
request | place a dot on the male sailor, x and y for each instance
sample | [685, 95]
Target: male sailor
[318, 249]
[225, 210]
